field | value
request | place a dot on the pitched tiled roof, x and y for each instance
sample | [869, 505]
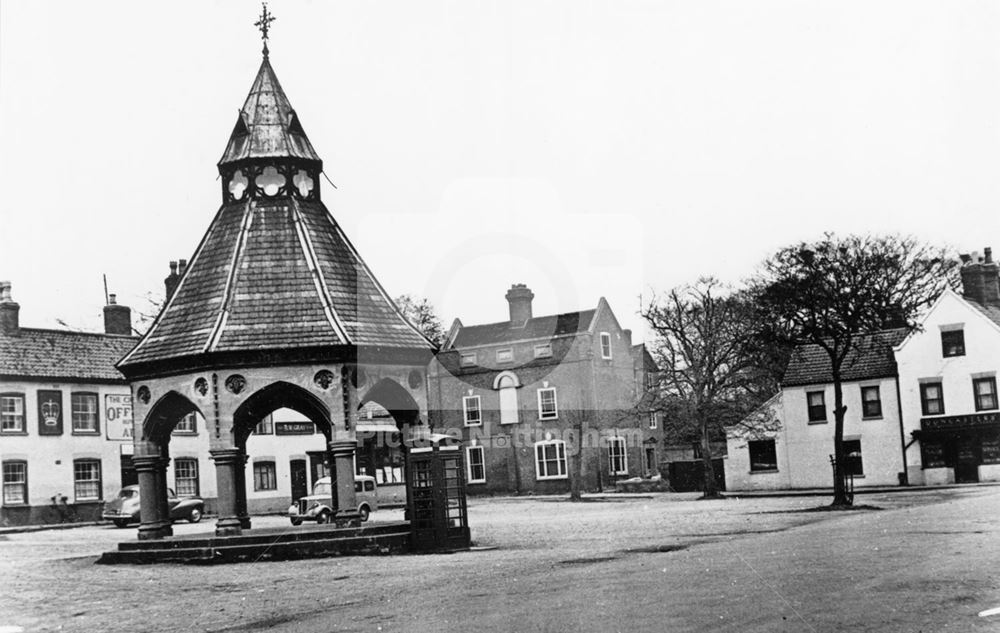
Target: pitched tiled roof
[991, 312]
[251, 286]
[872, 357]
[534, 328]
[63, 354]
[267, 126]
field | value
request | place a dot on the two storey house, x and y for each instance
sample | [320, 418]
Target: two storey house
[541, 401]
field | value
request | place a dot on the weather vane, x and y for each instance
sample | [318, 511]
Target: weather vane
[264, 24]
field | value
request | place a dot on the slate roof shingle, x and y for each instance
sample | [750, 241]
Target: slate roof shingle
[871, 358]
[535, 328]
[991, 312]
[62, 354]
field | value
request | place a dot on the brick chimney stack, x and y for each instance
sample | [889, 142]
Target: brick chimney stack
[981, 279]
[171, 281]
[519, 297]
[9, 311]
[117, 319]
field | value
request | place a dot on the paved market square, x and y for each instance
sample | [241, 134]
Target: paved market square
[925, 561]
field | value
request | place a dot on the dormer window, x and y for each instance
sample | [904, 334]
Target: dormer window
[505, 355]
[468, 359]
[953, 343]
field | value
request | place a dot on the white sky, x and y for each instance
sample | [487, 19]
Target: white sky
[583, 148]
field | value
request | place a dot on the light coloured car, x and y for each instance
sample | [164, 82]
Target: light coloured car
[124, 508]
[318, 506]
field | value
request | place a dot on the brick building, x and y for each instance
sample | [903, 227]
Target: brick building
[523, 392]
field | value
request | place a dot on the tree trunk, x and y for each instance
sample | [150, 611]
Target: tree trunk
[840, 498]
[709, 488]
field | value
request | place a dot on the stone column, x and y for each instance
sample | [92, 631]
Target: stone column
[227, 463]
[241, 490]
[154, 514]
[341, 456]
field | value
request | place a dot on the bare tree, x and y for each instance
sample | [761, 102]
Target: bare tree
[836, 291]
[421, 313]
[709, 370]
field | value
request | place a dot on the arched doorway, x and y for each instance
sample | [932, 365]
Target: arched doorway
[255, 416]
[151, 458]
[387, 414]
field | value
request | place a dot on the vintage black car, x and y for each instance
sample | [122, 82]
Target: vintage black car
[124, 508]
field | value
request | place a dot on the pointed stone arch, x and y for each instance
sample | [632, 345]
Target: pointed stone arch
[394, 399]
[279, 395]
[164, 416]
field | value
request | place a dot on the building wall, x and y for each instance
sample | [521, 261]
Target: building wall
[803, 448]
[736, 463]
[920, 358]
[594, 394]
[50, 458]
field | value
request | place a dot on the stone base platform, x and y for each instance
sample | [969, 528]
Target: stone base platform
[266, 544]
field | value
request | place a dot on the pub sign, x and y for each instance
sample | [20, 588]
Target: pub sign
[118, 416]
[50, 418]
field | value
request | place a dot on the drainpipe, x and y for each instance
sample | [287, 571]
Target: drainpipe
[905, 480]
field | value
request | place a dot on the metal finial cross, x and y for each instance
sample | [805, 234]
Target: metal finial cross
[264, 24]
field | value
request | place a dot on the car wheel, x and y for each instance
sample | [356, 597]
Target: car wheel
[323, 517]
[296, 521]
[195, 515]
[121, 523]
[365, 512]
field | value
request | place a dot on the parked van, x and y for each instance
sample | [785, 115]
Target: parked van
[316, 507]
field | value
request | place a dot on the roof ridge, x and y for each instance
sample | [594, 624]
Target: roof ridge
[227, 292]
[74, 332]
[319, 281]
[521, 327]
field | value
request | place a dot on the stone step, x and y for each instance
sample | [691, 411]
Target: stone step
[371, 544]
[263, 537]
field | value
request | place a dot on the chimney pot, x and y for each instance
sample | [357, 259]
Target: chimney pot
[117, 318]
[170, 283]
[519, 297]
[9, 311]
[181, 266]
[981, 279]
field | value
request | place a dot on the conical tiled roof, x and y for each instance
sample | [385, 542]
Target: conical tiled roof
[273, 273]
[267, 126]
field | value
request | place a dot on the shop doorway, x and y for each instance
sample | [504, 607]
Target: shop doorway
[966, 461]
[300, 483]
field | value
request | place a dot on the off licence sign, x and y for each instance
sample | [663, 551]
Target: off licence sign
[118, 416]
